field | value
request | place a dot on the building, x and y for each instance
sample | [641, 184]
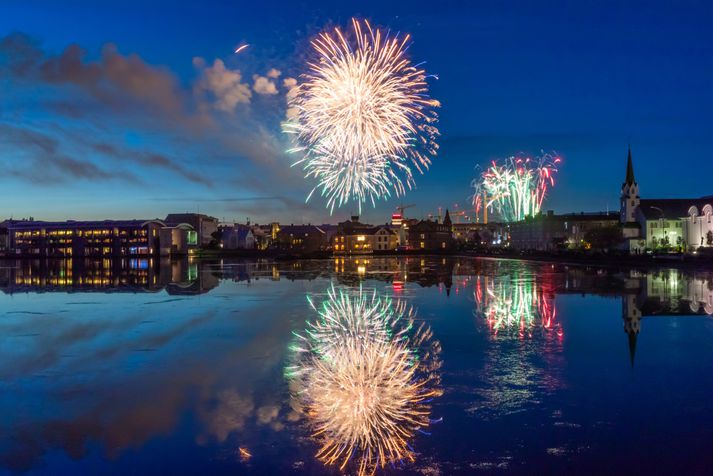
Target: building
[302, 239]
[550, 232]
[206, 226]
[429, 235]
[236, 237]
[4, 238]
[354, 237]
[179, 240]
[69, 239]
[652, 224]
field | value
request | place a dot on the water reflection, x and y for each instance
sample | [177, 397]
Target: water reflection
[106, 276]
[663, 293]
[516, 303]
[109, 362]
[365, 376]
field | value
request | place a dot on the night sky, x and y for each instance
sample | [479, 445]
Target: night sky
[139, 108]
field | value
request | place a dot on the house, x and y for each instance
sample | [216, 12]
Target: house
[429, 235]
[236, 237]
[354, 237]
[302, 239]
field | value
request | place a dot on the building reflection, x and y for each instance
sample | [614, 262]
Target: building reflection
[664, 293]
[106, 275]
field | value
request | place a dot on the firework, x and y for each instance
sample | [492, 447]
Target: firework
[361, 116]
[364, 376]
[515, 187]
[519, 305]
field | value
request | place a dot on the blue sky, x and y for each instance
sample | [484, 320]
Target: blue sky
[126, 122]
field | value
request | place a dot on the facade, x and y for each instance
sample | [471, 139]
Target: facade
[651, 224]
[4, 238]
[83, 238]
[179, 240]
[354, 237]
[206, 226]
[302, 239]
[237, 237]
[428, 235]
[551, 232]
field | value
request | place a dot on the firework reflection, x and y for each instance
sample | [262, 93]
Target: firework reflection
[364, 375]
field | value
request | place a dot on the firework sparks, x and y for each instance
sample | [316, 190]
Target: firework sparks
[516, 187]
[362, 117]
[241, 48]
[518, 304]
[365, 375]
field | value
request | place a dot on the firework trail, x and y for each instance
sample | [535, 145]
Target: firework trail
[515, 187]
[361, 116]
[364, 376]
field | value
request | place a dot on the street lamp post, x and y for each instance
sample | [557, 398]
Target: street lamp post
[661, 221]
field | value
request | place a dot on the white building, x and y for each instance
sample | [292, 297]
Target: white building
[678, 223]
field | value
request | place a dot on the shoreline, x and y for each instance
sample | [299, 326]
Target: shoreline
[594, 260]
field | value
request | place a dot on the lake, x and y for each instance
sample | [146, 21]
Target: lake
[414, 365]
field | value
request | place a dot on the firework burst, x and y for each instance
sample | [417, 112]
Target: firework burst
[515, 187]
[361, 116]
[364, 376]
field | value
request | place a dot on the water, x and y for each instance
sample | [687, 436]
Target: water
[157, 368]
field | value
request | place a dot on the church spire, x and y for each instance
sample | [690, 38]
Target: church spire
[630, 180]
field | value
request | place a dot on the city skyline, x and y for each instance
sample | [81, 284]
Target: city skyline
[170, 119]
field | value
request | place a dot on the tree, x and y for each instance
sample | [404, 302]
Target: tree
[605, 237]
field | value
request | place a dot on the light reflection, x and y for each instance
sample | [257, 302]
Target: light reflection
[364, 375]
[515, 304]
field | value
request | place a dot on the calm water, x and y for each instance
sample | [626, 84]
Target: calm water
[187, 368]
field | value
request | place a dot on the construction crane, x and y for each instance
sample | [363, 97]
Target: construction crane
[403, 207]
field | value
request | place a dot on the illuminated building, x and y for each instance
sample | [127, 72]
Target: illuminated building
[428, 235]
[302, 238]
[354, 237]
[206, 226]
[83, 238]
[683, 224]
[179, 240]
[551, 232]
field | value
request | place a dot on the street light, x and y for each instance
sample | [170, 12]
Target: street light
[660, 219]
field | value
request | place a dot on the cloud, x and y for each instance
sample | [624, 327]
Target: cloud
[112, 113]
[223, 85]
[43, 161]
[291, 85]
[115, 80]
[151, 159]
[264, 85]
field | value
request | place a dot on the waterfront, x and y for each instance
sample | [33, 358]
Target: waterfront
[165, 367]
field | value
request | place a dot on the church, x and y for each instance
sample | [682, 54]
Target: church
[682, 224]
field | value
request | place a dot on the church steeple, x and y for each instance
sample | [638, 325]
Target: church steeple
[629, 193]
[630, 180]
